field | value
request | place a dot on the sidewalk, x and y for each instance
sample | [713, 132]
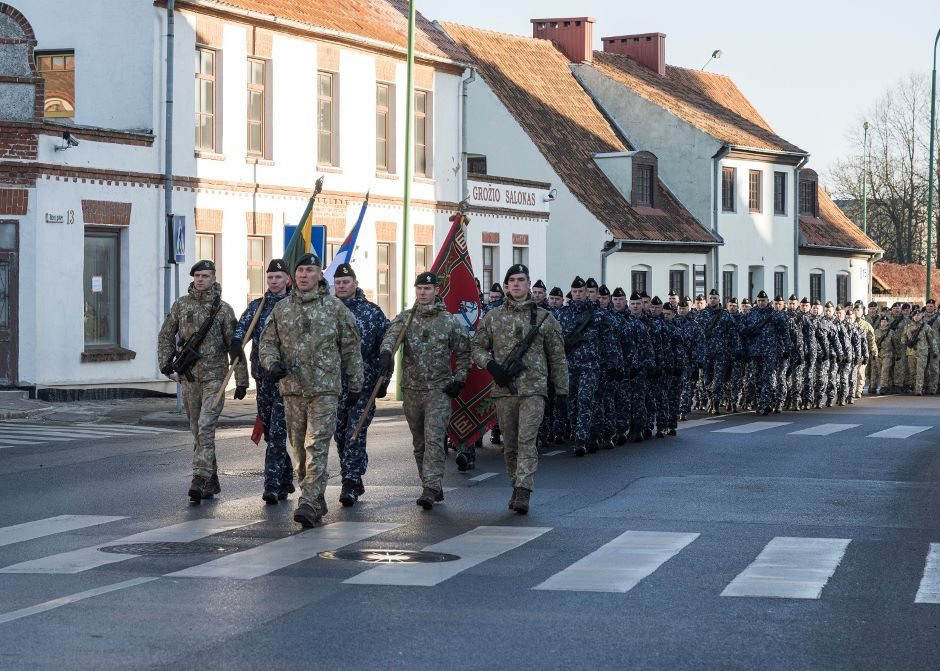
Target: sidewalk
[159, 411]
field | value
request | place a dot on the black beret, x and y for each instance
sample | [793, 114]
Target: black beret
[884, 318]
[577, 282]
[734, 301]
[591, 283]
[205, 264]
[930, 301]
[778, 299]
[672, 292]
[539, 284]
[426, 278]
[656, 301]
[762, 294]
[603, 290]
[816, 301]
[345, 270]
[277, 266]
[906, 306]
[713, 292]
[700, 297]
[805, 301]
[308, 260]
[873, 304]
[828, 304]
[687, 299]
[643, 294]
[568, 295]
[793, 298]
[516, 269]
[497, 288]
[619, 293]
[635, 296]
[556, 291]
[683, 303]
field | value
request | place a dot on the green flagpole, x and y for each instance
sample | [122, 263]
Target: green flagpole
[406, 268]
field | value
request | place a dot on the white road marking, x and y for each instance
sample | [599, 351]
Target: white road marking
[751, 427]
[273, 556]
[792, 568]
[66, 600]
[929, 590]
[473, 547]
[482, 477]
[84, 559]
[694, 423]
[823, 430]
[72, 434]
[553, 453]
[621, 564]
[139, 427]
[899, 431]
[50, 526]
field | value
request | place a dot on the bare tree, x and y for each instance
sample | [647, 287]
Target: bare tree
[899, 134]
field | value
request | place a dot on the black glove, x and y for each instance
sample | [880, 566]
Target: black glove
[235, 351]
[386, 364]
[453, 389]
[352, 397]
[277, 371]
[240, 392]
[167, 369]
[694, 375]
[383, 390]
[499, 374]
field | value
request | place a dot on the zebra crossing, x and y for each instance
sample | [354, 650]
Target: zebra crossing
[13, 434]
[797, 568]
[896, 432]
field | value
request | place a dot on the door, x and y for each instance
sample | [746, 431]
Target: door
[9, 304]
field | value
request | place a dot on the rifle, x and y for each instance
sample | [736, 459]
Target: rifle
[897, 320]
[753, 331]
[187, 355]
[576, 338]
[711, 326]
[912, 341]
[512, 364]
[231, 368]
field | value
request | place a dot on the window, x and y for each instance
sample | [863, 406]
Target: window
[808, 197]
[727, 285]
[638, 281]
[780, 193]
[754, 178]
[815, 286]
[383, 284]
[422, 133]
[677, 281]
[842, 288]
[102, 287]
[331, 249]
[257, 263]
[728, 177]
[423, 260]
[489, 259]
[520, 255]
[205, 246]
[643, 186]
[383, 159]
[779, 281]
[476, 164]
[326, 126]
[205, 99]
[256, 103]
[57, 68]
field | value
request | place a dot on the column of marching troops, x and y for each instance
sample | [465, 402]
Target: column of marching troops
[592, 368]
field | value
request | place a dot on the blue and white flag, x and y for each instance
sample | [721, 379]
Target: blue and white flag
[345, 252]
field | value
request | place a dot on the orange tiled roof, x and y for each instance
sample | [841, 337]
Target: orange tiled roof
[906, 279]
[832, 228]
[533, 81]
[710, 102]
[381, 20]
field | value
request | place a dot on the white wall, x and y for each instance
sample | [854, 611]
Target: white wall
[620, 265]
[831, 266]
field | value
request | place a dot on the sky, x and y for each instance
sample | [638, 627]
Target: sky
[812, 69]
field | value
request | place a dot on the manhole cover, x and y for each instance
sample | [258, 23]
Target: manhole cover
[168, 549]
[386, 556]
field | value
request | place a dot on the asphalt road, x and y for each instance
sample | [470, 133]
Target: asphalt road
[735, 545]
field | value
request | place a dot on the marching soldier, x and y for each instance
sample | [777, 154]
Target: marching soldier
[868, 362]
[278, 470]
[528, 333]
[767, 343]
[538, 294]
[919, 344]
[932, 318]
[202, 309]
[309, 340]
[694, 341]
[432, 336]
[722, 345]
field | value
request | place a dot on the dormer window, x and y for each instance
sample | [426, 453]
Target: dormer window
[809, 204]
[644, 179]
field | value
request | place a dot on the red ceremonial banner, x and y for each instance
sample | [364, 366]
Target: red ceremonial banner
[474, 412]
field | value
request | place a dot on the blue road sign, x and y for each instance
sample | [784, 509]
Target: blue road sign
[179, 238]
[317, 238]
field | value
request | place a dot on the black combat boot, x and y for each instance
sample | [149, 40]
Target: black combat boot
[322, 503]
[592, 446]
[580, 449]
[308, 516]
[270, 495]
[465, 461]
[428, 497]
[214, 485]
[659, 433]
[647, 434]
[671, 432]
[200, 488]
[496, 436]
[512, 499]
[620, 439]
[285, 490]
[348, 495]
[521, 495]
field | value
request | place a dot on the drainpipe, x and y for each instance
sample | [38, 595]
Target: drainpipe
[464, 103]
[168, 160]
[616, 247]
[796, 224]
[716, 204]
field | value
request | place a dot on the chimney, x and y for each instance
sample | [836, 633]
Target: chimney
[573, 37]
[648, 49]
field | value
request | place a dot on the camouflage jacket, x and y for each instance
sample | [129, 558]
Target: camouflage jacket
[722, 340]
[765, 333]
[797, 341]
[595, 335]
[810, 336]
[896, 326]
[270, 300]
[314, 337]
[827, 326]
[503, 327]
[372, 324]
[868, 333]
[674, 357]
[922, 337]
[433, 335]
[186, 318]
[693, 339]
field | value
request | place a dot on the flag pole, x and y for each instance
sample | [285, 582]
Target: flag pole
[406, 270]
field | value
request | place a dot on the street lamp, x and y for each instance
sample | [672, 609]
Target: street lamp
[715, 54]
[933, 138]
[865, 180]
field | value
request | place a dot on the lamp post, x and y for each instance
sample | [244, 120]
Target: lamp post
[865, 180]
[715, 54]
[933, 139]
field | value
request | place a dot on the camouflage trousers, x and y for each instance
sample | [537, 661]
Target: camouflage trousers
[795, 376]
[278, 470]
[667, 411]
[716, 375]
[605, 418]
[637, 391]
[428, 413]
[917, 370]
[894, 371]
[822, 381]
[764, 368]
[843, 381]
[873, 373]
[809, 382]
[653, 400]
[623, 405]
[353, 459]
[519, 419]
[548, 417]
[310, 423]
[688, 391]
[203, 413]
[933, 374]
[861, 373]
[582, 385]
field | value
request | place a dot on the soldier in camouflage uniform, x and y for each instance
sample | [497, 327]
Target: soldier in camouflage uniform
[809, 326]
[371, 323]
[932, 317]
[309, 340]
[675, 362]
[604, 432]
[844, 363]
[919, 345]
[645, 362]
[520, 399]
[767, 340]
[184, 320]
[539, 294]
[894, 367]
[881, 337]
[722, 345]
[797, 361]
[863, 374]
[558, 419]
[694, 341]
[428, 384]
[278, 470]
[624, 335]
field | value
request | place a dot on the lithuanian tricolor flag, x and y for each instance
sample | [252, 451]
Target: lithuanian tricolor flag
[300, 241]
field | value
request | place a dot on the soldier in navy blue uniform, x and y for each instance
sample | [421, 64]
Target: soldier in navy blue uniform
[539, 295]
[722, 345]
[694, 343]
[372, 324]
[645, 362]
[767, 341]
[496, 297]
[278, 470]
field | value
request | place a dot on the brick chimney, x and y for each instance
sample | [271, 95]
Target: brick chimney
[573, 37]
[648, 49]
